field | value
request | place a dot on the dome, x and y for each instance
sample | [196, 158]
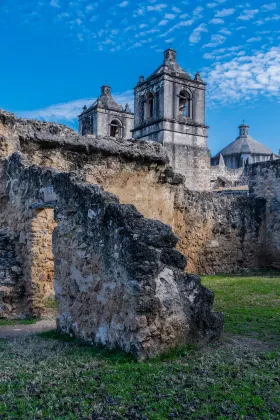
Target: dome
[245, 144]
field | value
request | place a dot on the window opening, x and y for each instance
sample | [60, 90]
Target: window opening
[115, 129]
[184, 104]
[149, 106]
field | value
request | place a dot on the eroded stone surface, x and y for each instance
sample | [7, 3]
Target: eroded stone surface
[138, 174]
[118, 278]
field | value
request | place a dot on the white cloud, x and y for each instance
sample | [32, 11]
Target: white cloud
[197, 11]
[169, 16]
[248, 14]
[245, 77]
[217, 21]
[196, 34]
[124, 3]
[225, 12]
[68, 112]
[225, 31]
[54, 3]
[157, 7]
[268, 7]
[215, 40]
[268, 19]
[254, 39]
[181, 24]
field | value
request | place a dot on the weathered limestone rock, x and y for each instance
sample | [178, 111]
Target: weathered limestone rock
[118, 278]
[217, 233]
[10, 278]
[265, 184]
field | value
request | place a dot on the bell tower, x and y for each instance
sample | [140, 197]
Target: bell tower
[169, 108]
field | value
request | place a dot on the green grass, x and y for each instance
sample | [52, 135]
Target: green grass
[53, 376]
[51, 303]
[251, 304]
[12, 322]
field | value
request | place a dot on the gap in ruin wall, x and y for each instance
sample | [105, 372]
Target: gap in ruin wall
[30, 231]
[42, 263]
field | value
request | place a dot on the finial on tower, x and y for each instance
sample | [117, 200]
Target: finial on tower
[197, 77]
[170, 55]
[105, 90]
[243, 129]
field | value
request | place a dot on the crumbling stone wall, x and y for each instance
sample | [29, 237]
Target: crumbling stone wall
[217, 233]
[193, 162]
[118, 278]
[220, 233]
[11, 290]
[264, 182]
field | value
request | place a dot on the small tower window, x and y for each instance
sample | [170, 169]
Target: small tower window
[115, 129]
[86, 126]
[184, 104]
[149, 106]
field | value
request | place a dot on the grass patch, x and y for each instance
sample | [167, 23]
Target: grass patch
[13, 322]
[251, 304]
[51, 303]
[53, 376]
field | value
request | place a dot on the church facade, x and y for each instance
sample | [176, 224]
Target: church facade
[106, 118]
[169, 108]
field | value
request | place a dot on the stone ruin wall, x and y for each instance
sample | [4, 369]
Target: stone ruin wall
[265, 184]
[116, 273]
[231, 177]
[217, 233]
[193, 162]
[29, 230]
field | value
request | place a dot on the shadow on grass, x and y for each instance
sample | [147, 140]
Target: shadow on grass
[99, 351]
[115, 355]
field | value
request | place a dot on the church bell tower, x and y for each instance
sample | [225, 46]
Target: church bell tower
[169, 108]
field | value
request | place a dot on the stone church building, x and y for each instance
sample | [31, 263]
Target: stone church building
[169, 108]
[230, 166]
[106, 118]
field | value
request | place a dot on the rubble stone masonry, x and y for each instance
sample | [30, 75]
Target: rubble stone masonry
[217, 233]
[265, 183]
[118, 279]
[67, 212]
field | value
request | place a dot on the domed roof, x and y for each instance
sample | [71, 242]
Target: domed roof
[245, 144]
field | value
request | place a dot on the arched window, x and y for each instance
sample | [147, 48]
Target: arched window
[115, 129]
[185, 104]
[149, 106]
[86, 126]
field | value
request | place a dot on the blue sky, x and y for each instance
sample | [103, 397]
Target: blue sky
[57, 53]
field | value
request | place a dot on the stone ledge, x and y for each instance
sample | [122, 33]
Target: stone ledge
[49, 135]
